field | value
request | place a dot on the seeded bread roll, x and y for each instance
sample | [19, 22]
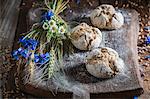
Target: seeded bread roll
[85, 37]
[104, 63]
[105, 17]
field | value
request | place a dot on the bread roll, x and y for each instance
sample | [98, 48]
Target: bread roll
[103, 63]
[85, 37]
[105, 17]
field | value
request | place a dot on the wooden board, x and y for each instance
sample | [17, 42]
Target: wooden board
[124, 41]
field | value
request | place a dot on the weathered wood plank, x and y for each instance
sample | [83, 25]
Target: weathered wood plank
[9, 11]
[8, 21]
[124, 41]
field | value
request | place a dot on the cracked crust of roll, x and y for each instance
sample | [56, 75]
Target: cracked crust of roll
[85, 37]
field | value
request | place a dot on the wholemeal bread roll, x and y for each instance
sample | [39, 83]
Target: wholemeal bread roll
[104, 63]
[105, 17]
[85, 37]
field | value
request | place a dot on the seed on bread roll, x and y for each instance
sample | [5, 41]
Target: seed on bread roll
[85, 37]
[105, 17]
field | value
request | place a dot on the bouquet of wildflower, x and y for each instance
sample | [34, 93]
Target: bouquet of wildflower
[42, 47]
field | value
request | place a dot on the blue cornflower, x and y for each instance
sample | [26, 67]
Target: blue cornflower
[20, 52]
[32, 43]
[20, 49]
[16, 53]
[29, 43]
[47, 15]
[25, 53]
[23, 41]
[36, 58]
[147, 41]
[42, 58]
